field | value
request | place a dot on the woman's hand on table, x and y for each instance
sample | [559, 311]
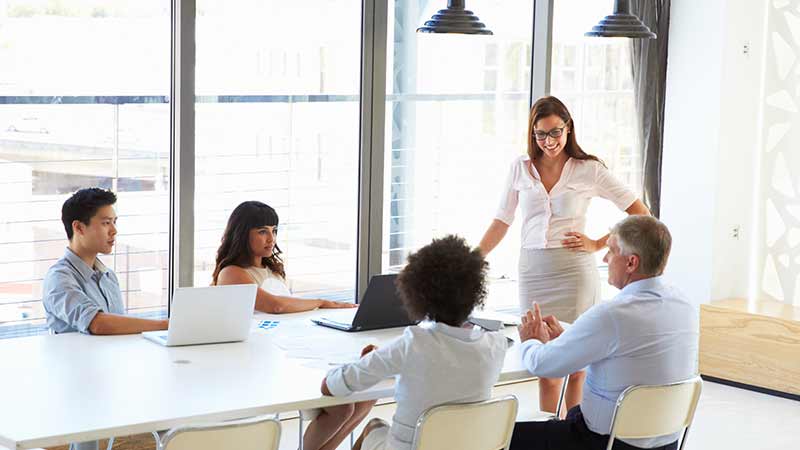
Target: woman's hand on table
[329, 304]
[324, 388]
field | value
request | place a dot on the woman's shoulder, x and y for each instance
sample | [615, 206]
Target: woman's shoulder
[517, 165]
[520, 160]
[586, 168]
[234, 274]
[586, 163]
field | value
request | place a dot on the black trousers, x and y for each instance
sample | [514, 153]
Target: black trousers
[568, 434]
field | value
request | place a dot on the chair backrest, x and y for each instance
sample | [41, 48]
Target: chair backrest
[257, 433]
[483, 425]
[647, 411]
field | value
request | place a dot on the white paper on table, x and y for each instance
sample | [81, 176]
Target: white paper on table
[334, 349]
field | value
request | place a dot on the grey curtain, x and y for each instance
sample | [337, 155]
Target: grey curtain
[649, 64]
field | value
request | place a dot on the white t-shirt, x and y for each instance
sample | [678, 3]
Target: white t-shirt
[548, 216]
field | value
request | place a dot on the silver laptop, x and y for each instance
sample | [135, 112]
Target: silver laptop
[208, 315]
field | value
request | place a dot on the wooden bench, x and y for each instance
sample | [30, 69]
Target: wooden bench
[755, 345]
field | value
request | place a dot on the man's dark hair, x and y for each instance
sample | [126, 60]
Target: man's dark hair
[443, 281]
[83, 205]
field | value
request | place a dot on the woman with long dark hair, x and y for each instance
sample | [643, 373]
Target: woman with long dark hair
[249, 254]
[553, 184]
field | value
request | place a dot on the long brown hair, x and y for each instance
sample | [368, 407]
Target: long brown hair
[235, 246]
[551, 106]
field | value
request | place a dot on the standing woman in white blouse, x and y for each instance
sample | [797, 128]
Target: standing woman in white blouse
[553, 185]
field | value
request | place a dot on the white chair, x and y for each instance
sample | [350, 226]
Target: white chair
[256, 433]
[649, 411]
[483, 425]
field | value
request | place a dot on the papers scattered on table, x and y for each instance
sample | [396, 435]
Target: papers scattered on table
[330, 349]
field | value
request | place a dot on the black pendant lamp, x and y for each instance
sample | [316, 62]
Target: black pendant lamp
[455, 19]
[621, 24]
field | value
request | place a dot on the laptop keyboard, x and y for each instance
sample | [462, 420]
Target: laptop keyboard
[336, 322]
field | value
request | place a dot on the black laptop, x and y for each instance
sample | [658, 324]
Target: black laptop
[380, 308]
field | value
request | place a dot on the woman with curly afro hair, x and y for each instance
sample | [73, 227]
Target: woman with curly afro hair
[442, 360]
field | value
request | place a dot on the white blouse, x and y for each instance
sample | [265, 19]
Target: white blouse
[269, 281]
[548, 216]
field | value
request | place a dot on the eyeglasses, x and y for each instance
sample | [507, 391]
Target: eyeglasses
[555, 133]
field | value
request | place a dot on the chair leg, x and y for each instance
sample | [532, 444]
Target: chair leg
[157, 438]
[352, 439]
[561, 396]
[300, 430]
[110, 443]
[683, 438]
[611, 438]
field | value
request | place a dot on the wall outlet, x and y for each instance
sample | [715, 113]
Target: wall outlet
[736, 231]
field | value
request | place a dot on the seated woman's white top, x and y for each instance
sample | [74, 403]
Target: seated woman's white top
[269, 281]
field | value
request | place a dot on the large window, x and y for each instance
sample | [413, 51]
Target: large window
[278, 122]
[456, 117]
[594, 78]
[83, 102]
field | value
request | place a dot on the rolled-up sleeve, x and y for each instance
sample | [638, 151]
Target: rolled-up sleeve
[370, 369]
[65, 300]
[510, 196]
[591, 338]
[610, 188]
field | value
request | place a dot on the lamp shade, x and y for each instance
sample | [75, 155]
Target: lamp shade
[621, 24]
[455, 19]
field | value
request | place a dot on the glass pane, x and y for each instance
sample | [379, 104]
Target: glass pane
[593, 77]
[83, 102]
[456, 116]
[278, 122]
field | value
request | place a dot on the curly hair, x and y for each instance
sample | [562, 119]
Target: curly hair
[443, 281]
[234, 248]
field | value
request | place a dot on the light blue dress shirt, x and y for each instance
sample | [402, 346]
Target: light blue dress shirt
[647, 334]
[73, 293]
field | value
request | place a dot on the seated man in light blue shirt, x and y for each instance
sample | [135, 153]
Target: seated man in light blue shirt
[647, 334]
[79, 292]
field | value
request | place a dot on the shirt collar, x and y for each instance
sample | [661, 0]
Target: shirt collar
[652, 283]
[79, 265]
[526, 160]
[469, 334]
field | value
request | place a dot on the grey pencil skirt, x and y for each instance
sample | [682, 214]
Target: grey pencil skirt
[564, 283]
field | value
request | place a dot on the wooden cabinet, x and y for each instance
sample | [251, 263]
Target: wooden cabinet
[757, 345]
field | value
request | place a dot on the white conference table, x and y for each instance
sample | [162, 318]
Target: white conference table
[58, 389]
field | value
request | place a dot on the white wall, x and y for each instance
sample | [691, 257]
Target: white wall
[710, 136]
[694, 71]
